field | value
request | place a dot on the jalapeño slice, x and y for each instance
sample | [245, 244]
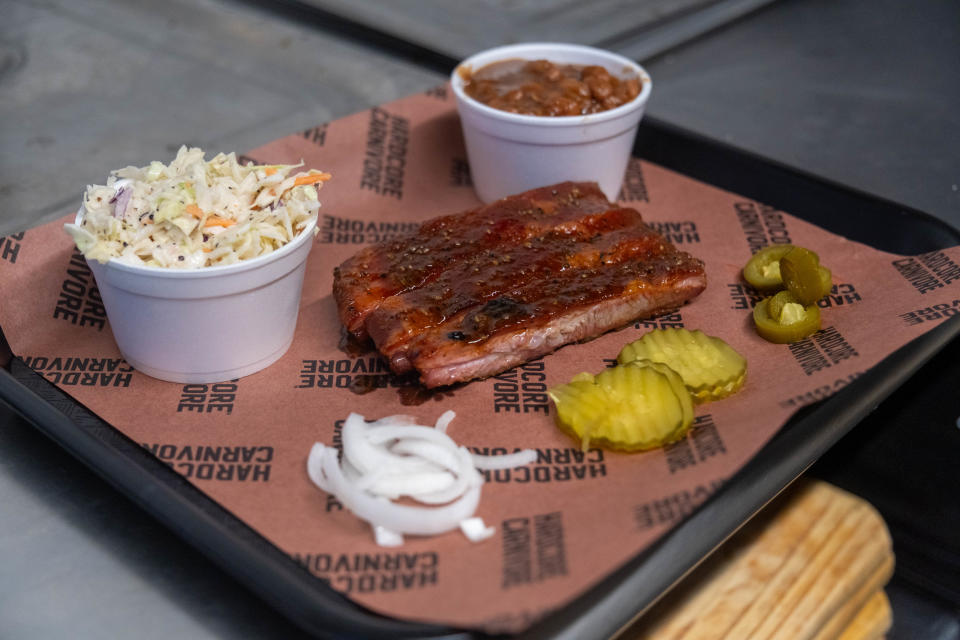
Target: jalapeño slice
[803, 275]
[783, 319]
[762, 271]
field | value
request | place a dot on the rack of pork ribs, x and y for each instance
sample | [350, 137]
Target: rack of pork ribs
[475, 293]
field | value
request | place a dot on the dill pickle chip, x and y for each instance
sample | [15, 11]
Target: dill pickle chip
[710, 368]
[581, 406]
[640, 405]
[679, 388]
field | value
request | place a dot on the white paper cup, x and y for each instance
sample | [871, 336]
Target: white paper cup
[510, 153]
[208, 324]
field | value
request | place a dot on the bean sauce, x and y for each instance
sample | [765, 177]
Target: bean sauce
[544, 88]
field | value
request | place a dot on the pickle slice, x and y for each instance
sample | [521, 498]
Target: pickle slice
[762, 271]
[581, 408]
[826, 280]
[802, 275]
[710, 368]
[608, 378]
[636, 406]
[782, 319]
[784, 301]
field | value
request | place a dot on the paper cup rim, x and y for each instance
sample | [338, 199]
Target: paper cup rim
[503, 52]
[209, 272]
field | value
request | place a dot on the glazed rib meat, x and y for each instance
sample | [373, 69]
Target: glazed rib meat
[471, 295]
[377, 272]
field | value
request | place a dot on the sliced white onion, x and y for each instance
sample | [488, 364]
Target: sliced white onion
[366, 456]
[379, 511]
[394, 485]
[444, 421]
[439, 455]
[476, 530]
[379, 435]
[387, 538]
[466, 478]
[315, 466]
[395, 457]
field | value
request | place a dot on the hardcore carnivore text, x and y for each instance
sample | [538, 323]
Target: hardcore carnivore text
[385, 161]
[533, 549]
[336, 230]
[930, 314]
[373, 572]
[84, 372]
[217, 463]
[10, 247]
[208, 398]
[928, 271]
[762, 225]
[672, 508]
[78, 301]
[702, 442]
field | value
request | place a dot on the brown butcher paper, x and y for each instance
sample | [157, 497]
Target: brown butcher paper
[563, 522]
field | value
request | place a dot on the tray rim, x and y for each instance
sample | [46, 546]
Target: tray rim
[603, 609]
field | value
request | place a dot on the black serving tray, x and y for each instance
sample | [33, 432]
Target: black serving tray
[610, 605]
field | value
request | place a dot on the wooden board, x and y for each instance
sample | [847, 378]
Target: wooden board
[810, 566]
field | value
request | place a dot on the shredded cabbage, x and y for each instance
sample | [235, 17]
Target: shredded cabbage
[195, 213]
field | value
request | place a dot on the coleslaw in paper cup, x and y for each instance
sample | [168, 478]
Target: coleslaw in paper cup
[200, 263]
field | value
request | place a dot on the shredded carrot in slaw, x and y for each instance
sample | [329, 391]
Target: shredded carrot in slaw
[217, 221]
[311, 179]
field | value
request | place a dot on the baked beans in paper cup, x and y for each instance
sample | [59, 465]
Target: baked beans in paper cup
[200, 265]
[514, 152]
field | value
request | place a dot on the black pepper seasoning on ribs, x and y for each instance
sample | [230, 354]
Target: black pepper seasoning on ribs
[524, 276]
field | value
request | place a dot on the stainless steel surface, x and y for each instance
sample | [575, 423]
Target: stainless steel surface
[91, 86]
[862, 92]
[642, 44]
[459, 29]
[81, 561]
[86, 87]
